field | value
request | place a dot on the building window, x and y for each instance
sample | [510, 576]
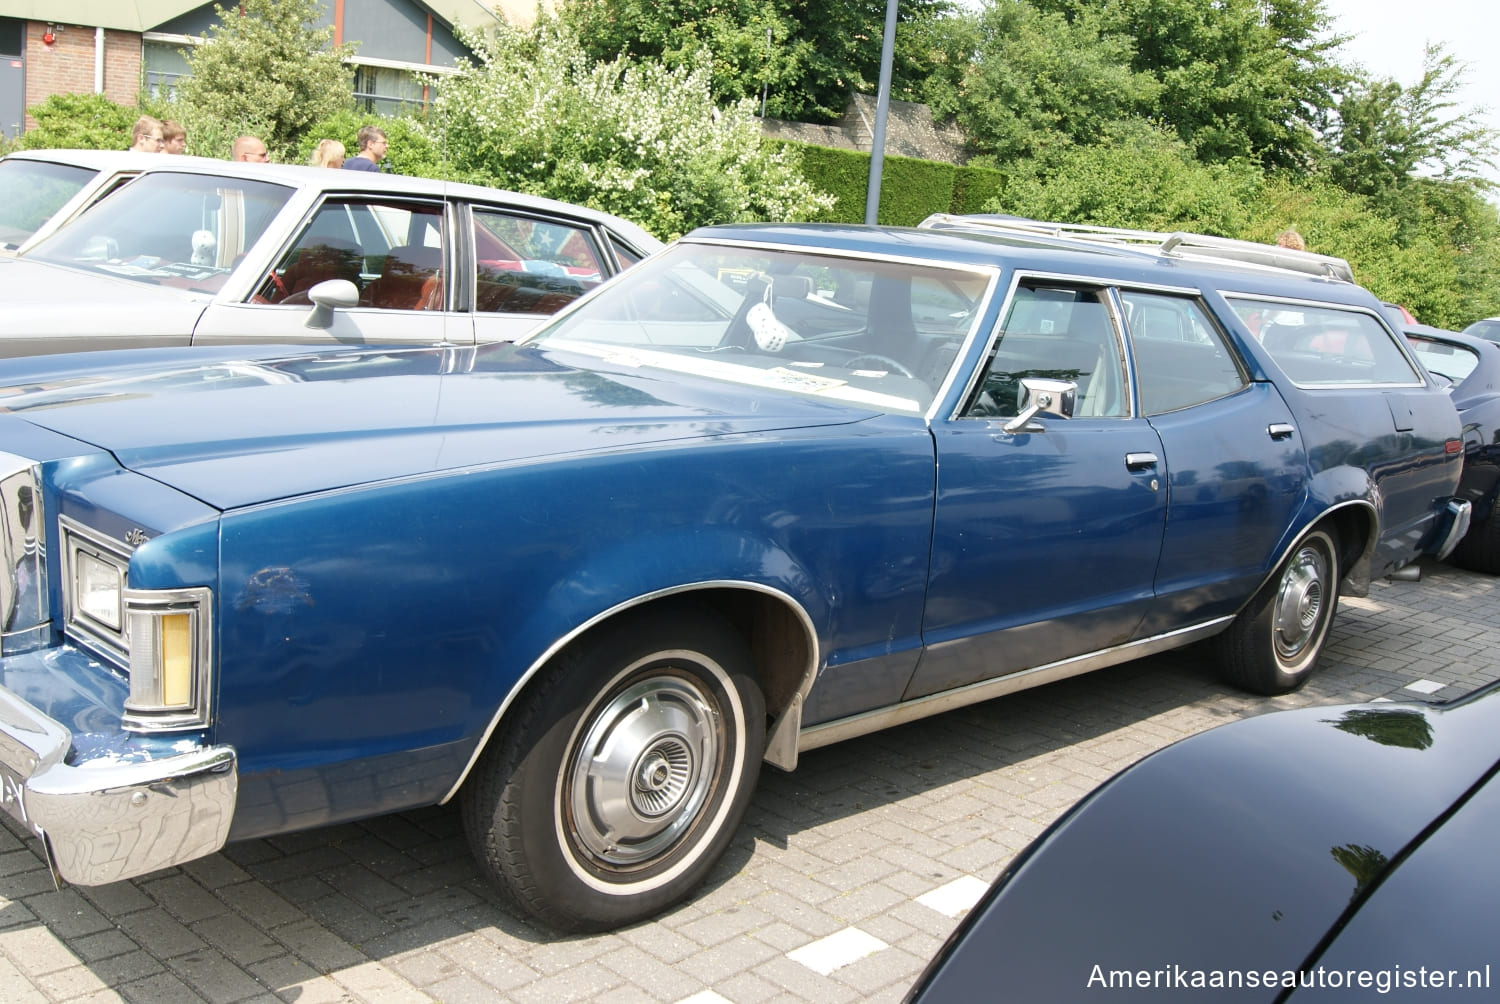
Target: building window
[164, 64]
[386, 90]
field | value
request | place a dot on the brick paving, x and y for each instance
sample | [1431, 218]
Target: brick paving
[845, 878]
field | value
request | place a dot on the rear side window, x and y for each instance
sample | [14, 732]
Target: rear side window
[1324, 346]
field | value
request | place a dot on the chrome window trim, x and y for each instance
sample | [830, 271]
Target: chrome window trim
[197, 601]
[113, 645]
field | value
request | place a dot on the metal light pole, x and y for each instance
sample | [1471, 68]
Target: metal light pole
[882, 109]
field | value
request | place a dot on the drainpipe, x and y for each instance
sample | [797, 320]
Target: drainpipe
[99, 60]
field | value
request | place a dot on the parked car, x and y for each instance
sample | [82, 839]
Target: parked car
[42, 189]
[773, 487]
[1327, 851]
[207, 252]
[1488, 329]
[1472, 366]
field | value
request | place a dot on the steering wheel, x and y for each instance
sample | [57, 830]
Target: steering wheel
[885, 362]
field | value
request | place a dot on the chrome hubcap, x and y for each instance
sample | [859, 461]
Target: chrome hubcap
[643, 771]
[1299, 603]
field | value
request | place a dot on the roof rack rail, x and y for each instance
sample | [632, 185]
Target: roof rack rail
[1178, 244]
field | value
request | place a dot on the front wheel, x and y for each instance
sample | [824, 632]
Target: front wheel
[1274, 643]
[622, 775]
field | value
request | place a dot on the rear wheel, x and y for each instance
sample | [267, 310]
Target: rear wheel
[1273, 645]
[621, 777]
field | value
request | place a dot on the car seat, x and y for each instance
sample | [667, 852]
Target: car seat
[410, 279]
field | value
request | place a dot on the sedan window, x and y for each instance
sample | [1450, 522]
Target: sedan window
[531, 266]
[392, 251]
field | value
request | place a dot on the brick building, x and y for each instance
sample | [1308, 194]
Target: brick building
[121, 49]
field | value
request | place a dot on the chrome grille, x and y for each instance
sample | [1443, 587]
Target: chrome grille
[23, 557]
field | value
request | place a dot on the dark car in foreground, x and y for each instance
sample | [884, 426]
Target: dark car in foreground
[1472, 366]
[1328, 852]
[773, 487]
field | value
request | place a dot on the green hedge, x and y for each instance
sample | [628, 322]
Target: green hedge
[910, 189]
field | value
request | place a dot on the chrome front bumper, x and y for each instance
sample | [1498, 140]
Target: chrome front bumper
[111, 819]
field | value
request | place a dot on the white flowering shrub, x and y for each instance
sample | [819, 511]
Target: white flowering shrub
[645, 142]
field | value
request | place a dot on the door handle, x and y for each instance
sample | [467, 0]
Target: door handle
[1140, 461]
[1280, 430]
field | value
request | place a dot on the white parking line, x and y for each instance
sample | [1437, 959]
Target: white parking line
[955, 898]
[837, 950]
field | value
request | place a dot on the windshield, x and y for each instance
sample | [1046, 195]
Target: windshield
[31, 191]
[877, 333]
[168, 229]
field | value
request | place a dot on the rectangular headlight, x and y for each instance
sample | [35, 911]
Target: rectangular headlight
[169, 659]
[95, 576]
[98, 589]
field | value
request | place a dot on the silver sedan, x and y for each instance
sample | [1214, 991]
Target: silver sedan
[197, 251]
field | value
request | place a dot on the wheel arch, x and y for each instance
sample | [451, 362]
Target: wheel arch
[777, 631]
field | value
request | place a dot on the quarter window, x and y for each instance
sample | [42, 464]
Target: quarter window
[1181, 357]
[1322, 346]
[1060, 333]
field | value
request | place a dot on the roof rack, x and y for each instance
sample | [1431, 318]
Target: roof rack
[1179, 244]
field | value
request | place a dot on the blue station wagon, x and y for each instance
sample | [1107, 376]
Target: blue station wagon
[773, 487]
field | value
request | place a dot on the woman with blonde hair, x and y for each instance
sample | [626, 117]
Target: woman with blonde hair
[329, 153]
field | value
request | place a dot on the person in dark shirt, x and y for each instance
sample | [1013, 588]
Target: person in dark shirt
[372, 147]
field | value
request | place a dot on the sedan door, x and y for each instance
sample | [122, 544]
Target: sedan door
[396, 254]
[1047, 534]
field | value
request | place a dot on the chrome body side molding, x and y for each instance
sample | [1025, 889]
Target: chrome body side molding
[909, 711]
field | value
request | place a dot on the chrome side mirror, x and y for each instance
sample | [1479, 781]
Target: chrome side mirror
[327, 295]
[1040, 396]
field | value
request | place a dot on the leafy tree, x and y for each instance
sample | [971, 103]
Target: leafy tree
[1138, 177]
[644, 141]
[79, 122]
[266, 70]
[807, 58]
[1384, 135]
[1240, 79]
[1042, 81]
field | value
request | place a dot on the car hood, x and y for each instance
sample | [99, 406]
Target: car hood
[49, 308]
[235, 428]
